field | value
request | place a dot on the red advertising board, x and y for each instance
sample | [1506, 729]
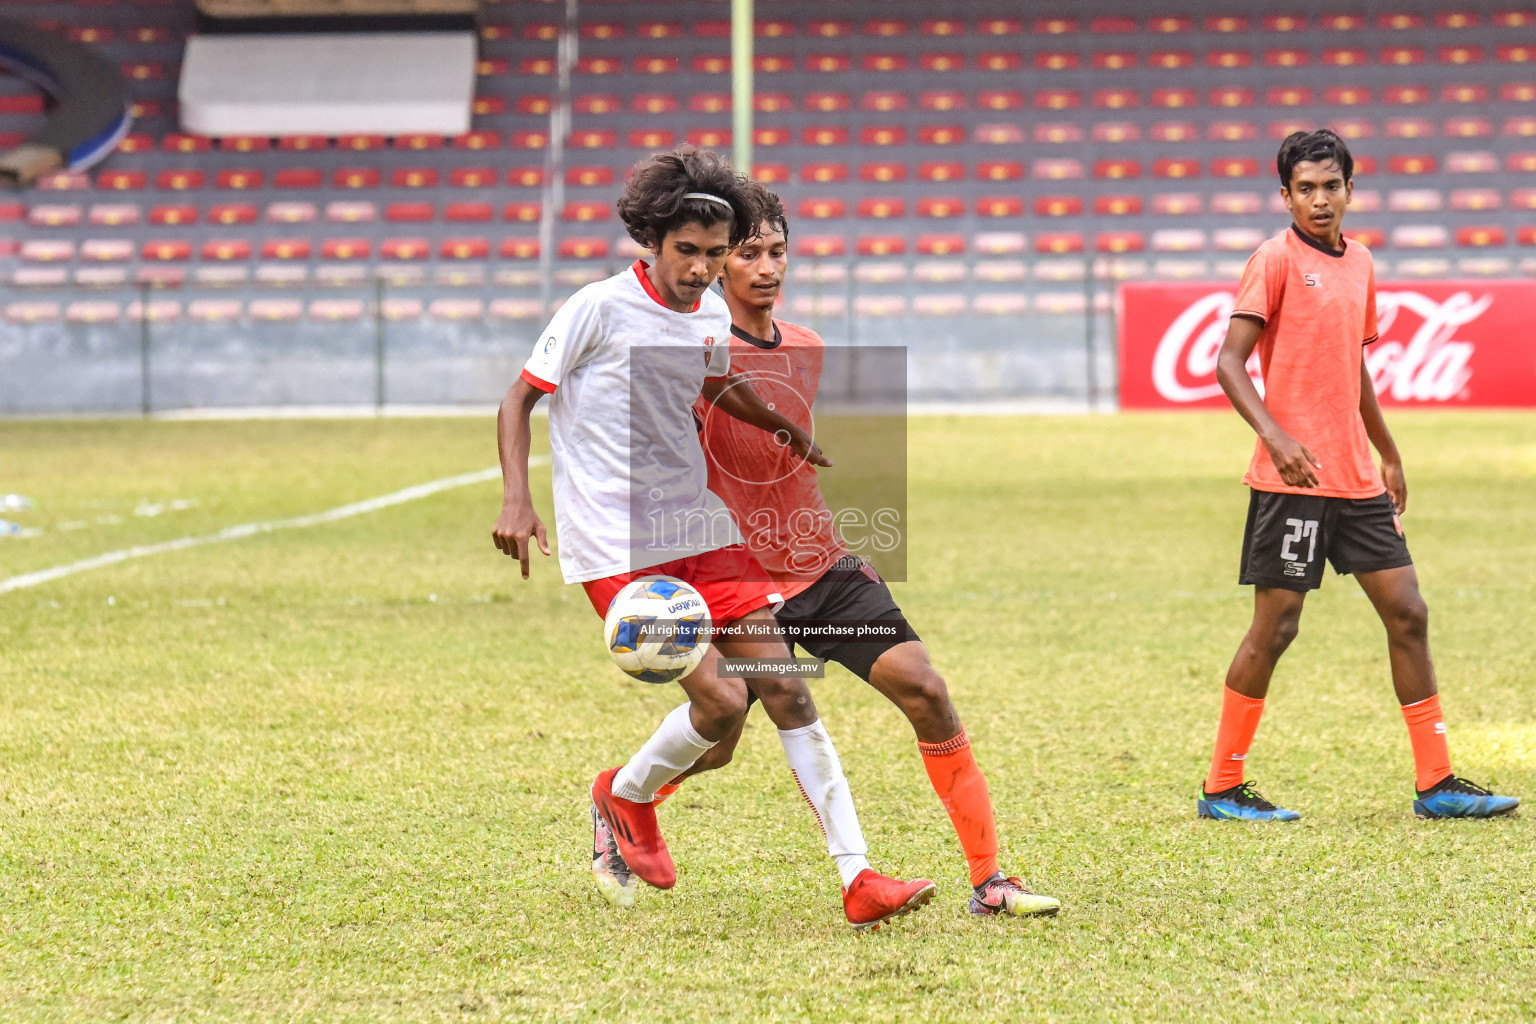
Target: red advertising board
[1444, 344]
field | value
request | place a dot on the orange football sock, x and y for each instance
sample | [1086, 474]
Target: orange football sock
[963, 791]
[1426, 733]
[1239, 721]
[666, 791]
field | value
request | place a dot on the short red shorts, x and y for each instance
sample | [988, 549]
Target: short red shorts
[729, 579]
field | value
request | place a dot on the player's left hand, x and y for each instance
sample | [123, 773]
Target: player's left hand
[801, 444]
[1397, 486]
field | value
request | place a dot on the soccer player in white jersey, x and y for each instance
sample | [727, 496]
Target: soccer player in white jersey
[623, 362]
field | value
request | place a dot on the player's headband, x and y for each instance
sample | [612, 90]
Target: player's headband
[709, 198]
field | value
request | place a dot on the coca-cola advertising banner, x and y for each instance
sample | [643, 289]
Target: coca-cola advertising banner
[1444, 344]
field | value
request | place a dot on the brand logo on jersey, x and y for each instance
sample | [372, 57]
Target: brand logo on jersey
[1431, 365]
[1313, 280]
[549, 344]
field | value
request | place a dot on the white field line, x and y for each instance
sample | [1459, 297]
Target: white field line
[357, 508]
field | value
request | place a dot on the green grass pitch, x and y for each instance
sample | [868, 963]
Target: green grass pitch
[340, 773]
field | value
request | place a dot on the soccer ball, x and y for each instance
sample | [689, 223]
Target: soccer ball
[657, 629]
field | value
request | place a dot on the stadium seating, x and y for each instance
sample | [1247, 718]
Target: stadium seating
[988, 158]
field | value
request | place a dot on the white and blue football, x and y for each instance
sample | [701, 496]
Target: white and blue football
[657, 629]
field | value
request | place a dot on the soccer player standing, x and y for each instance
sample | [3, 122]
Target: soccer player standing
[624, 360]
[774, 495]
[1307, 301]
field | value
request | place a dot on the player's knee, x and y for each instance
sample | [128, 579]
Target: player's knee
[1409, 620]
[778, 692]
[927, 693]
[720, 709]
[1283, 633]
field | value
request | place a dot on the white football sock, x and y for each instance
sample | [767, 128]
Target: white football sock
[813, 761]
[670, 751]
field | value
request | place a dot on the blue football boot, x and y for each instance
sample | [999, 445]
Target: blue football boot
[1457, 798]
[1240, 803]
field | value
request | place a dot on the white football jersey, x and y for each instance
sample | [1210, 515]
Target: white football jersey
[623, 371]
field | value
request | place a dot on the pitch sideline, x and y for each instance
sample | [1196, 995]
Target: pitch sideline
[357, 508]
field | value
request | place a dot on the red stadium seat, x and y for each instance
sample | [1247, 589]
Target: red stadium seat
[121, 181]
[408, 213]
[1520, 126]
[771, 174]
[464, 249]
[825, 135]
[1059, 242]
[1116, 131]
[1285, 58]
[1289, 96]
[1058, 169]
[106, 214]
[526, 213]
[883, 135]
[1055, 26]
[1416, 163]
[1406, 95]
[1175, 131]
[1045, 99]
[1119, 241]
[826, 102]
[285, 249]
[405, 249]
[941, 134]
[589, 177]
[1235, 167]
[1410, 128]
[1176, 167]
[468, 212]
[1178, 240]
[711, 64]
[999, 134]
[824, 172]
[826, 63]
[1471, 162]
[1348, 128]
[941, 207]
[232, 213]
[166, 251]
[1284, 23]
[937, 99]
[1058, 132]
[773, 102]
[642, 65]
[1175, 99]
[1170, 24]
[1054, 60]
[472, 177]
[941, 61]
[291, 213]
[533, 104]
[666, 103]
[180, 180]
[298, 177]
[176, 143]
[593, 139]
[226, 250]
[238, 179]
[1233, 131]
[1117, 206]
[1226, 23]
[1518, 92]
[1455, 19]
[1007, 61]
[345, 249]
[940, 245]
[882, 172]
[1231, 97]
[773, 29]
[819, 245]
[710, 138]
[883, 62]
[1114, 60]
[1245, 203]
[519, 249]
[1169, 60]
[881, 245]
[417, 143]
[1112, 25]
[1527, 234]
[361, 142]
[583, 249]
[881, 209]
[940, 170]
[1400, 21]
[1000, 170]
[823, 209]
[356, 177]
[1515, 54]
[1463, 93]
[1116, 99]
[1346, 96]
[170, 214]
[1345, 57]
[1461, 55]
[821, 29]
[414, 177]
[999, 206]
[1058, 206]
[597, 103]
[1115, 170]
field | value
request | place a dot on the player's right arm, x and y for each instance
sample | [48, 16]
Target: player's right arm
[1296, 465]
[518, 522]
[1258, 300]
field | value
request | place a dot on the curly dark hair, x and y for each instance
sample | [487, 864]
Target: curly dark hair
[1320, 146]
[653, 202]
[770, 208]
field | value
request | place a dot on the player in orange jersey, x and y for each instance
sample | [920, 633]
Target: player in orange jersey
[1307, 301]
[774, 495]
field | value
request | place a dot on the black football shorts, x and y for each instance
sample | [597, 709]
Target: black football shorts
[1289, 536]
[847, 616]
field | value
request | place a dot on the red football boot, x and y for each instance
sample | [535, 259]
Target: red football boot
[636, 832]
[873, 898]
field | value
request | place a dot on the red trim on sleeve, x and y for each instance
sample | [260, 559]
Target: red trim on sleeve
[640, 267]
[543, 385]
